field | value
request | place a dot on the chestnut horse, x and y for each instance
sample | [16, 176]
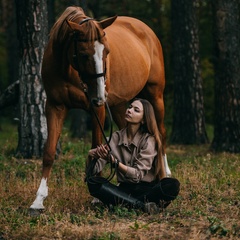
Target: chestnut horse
[88, 63]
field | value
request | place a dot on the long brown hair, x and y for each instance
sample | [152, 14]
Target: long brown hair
[150, 126]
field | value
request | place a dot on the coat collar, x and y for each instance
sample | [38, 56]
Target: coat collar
[124, 140]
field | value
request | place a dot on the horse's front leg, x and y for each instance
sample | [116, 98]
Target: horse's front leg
[100, 113]
[55, 117]
[96, 129]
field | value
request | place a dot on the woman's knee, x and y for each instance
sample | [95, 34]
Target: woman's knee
[169, 188]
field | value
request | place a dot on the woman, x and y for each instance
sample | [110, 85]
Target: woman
[136, 153]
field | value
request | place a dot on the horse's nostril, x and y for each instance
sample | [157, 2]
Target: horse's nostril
[97, 102]
[94, 102]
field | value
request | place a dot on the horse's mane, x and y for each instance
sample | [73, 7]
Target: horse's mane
[61, 26]
[60, 29]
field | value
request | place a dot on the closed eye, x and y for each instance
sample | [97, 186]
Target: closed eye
[136, 109]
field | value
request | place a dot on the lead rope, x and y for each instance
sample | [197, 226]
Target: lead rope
[89, 177]
[101, 127]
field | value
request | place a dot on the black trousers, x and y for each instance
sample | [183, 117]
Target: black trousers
[134, 195]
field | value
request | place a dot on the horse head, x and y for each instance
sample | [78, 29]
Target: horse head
[87, 54]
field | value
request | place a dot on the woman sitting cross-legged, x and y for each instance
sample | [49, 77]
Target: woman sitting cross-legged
[136, 153]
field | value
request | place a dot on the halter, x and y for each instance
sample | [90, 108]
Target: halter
[84, 75]
[85, 20]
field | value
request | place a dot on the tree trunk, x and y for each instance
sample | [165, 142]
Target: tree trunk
[227, 77]
[188, 117]
[32, 34]
[9, 22]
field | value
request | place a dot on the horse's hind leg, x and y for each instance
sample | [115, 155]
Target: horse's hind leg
[154, 94]
[55, 118]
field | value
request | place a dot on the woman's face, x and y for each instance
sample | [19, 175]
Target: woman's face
[134, 113]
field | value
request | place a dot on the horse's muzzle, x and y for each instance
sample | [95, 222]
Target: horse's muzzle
[97, 102]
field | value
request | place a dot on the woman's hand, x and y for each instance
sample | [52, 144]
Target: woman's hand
[93, 153]
[102, 151]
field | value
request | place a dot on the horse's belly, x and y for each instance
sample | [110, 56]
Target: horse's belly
[128, 73]
[135, 59]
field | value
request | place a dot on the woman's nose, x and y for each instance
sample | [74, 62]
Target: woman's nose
[128, 110]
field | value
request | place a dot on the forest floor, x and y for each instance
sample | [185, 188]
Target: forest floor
[206, 208]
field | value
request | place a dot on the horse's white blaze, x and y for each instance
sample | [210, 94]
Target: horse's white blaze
[98, 57]
[42, 193]
[167, 169]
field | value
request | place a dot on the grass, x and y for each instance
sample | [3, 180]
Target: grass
[207, 207]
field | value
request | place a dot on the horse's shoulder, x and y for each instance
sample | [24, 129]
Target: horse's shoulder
[130, 28]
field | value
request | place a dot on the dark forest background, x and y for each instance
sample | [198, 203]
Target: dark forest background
[156, 14]
[199, 39]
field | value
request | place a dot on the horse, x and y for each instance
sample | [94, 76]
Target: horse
[88, 63]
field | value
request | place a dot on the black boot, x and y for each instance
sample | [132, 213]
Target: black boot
[110, 194]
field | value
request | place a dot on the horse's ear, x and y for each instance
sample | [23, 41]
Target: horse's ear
[107, 22]
[72, 25]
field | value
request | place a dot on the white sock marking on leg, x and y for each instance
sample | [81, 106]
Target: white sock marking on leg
[42, 193]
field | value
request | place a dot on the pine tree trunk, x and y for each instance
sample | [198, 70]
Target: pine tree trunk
[227, 77]
[32, 34]
[188, 117]
[9, 23]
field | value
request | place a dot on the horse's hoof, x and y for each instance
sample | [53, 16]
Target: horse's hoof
[35, 212]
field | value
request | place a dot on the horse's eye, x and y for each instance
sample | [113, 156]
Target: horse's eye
[83, 55]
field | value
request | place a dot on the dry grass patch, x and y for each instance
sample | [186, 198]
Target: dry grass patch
[207, 207]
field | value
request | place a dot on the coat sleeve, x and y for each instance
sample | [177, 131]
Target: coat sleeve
[100, 164]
